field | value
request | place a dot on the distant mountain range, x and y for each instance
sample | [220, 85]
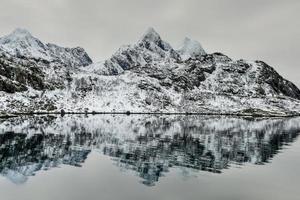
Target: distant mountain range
[149, 76]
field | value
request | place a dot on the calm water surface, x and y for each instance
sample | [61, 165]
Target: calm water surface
[149, 157]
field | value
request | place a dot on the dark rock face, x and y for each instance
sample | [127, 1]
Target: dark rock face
[276, 82]
[17, 74]
[9, 86]
[80, 54]
[72, 57]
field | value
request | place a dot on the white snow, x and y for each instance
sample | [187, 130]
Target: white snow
[190, 48]
[21, 43]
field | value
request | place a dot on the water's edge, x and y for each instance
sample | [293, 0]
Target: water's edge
[16, 114]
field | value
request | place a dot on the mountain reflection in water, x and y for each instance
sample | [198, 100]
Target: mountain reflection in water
[148, 145]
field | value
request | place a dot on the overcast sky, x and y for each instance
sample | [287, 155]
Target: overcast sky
[267, 30]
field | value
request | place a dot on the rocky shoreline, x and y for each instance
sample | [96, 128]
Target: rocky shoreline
[253, 115]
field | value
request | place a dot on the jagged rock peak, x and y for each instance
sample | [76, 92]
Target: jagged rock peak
[152, 41]
[190, 48]
[150, 35]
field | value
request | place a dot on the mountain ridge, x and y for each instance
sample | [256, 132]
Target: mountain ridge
[21, 43]
[148, 76]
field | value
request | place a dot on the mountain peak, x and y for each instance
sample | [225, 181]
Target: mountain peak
[21, 32]
[190, 48]
[21, 43]
[152, 41]
[150, 35]
[18, 35]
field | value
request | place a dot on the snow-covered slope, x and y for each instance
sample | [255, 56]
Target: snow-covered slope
[148, 76]
[27, 64]
[20, 43]
[190, 49]
[149, 50]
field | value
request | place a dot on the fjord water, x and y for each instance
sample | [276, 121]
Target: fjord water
[149, 157]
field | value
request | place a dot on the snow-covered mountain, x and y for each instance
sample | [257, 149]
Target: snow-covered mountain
[148, 76]
[20, 43]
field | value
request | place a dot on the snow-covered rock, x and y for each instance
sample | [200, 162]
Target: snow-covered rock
[150, 50]
[148, 76]
[20, 43]
[27, 63]
[190, 49]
